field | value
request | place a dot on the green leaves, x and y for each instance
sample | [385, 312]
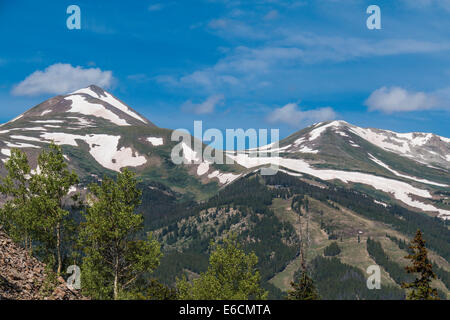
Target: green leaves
[35, 212]
[115, 257]
[231, 275]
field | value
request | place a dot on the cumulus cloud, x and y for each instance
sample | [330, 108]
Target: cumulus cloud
[396, 99]
[62, 78]
[205, 107]
[293, 115]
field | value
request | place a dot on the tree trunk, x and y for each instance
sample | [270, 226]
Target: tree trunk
[116, 279]
[58, 247]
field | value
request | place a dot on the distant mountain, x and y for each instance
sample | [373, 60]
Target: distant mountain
[344, 182]
[101, 134]
[412, 168]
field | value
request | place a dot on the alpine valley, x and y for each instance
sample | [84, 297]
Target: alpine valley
[361, 192]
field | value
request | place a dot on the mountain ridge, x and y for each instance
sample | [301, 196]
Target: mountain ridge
[101, 134]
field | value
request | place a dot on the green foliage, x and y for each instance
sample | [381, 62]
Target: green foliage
[115, 258]
[420, 288]
[400, 218]
[231, 275]
[339, 281]
[149, 289]
[52, 184]
[303, 289]
[50, 282]
[395, 271]
[17, 215]
[332, 250]
[35, 213]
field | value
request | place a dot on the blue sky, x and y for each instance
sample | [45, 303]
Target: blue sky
[237, 64]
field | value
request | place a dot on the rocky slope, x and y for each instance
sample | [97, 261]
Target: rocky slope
[22, 277]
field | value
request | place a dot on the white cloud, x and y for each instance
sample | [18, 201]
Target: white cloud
[205, 107]
[243, 67]
[396, 99]
[293, 115]
[155, 7]
[62, 78]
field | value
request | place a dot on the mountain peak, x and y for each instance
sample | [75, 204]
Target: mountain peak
[92, 103]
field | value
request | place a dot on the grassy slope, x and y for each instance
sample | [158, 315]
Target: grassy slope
[353, 253]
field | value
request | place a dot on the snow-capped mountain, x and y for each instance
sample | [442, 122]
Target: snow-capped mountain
[412, 168]
[100, 133]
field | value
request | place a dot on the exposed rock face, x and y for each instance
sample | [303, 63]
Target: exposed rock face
[22, 276]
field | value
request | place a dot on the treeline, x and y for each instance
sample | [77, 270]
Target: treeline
[441, 273]
[273, 241]
[117, 257]
[339, 281]
[396, 272]
[403, 220]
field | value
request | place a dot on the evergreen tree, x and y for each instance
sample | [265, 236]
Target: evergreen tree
[420, 289]
[115, 258]
[332, 250]
[304, 289]
[231, 275]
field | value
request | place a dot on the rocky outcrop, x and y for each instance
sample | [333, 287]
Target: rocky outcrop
[22, 277]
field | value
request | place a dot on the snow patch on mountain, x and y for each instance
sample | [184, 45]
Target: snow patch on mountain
[108, 98]
[399, 189]
[81, 105]
[48, 121]
[155, 141]
[103, 148]
[380, 163]
[318, 130]
[26, 138]
[202, 168]
[189, 154]
[224, 178]
[306, 149]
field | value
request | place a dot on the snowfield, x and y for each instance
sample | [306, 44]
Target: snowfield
[203, 168]
[400, 190]
[81, 105]
[305, 149]
[103, 148]
[316, 133]
[26, 138]
[112, 101]
[380, 163]
[224, 178]
[155, 141]
[48, 121]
